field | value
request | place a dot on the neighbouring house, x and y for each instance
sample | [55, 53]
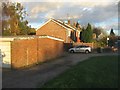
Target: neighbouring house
[59, 29]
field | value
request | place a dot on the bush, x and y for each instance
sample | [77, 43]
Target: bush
[6, 33]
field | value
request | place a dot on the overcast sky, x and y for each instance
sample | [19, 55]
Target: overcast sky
[103, 13]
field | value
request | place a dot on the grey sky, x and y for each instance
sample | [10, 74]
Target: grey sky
[103, 13]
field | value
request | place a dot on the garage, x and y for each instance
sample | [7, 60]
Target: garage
[5, 52]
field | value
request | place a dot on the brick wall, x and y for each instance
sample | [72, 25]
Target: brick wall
[24, 52]
[30, 51]
[49, 49]
[52, 29]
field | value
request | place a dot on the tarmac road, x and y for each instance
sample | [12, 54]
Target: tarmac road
[29, 78]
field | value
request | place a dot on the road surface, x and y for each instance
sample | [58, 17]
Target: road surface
[29, 78]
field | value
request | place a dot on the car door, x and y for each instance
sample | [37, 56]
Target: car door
[77, 49]
[81, 49]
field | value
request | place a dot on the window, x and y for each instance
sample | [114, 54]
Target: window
[69, 33]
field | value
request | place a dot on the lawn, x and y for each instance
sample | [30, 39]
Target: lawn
[96, 72]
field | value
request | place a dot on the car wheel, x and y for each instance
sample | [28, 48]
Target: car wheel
[72, 51]
[86, 51]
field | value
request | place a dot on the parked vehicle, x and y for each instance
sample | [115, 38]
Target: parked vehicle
[80, 48]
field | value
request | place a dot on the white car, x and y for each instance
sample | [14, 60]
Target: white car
[80, 48]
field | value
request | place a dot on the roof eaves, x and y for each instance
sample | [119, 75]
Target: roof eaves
[59, 24]
[66, 25]
[44, 24]
[70, 27]
[50, 37]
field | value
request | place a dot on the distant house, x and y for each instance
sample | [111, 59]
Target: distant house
[59, 29]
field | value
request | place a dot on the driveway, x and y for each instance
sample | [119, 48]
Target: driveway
[29, 78]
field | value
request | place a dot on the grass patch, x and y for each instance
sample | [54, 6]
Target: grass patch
[96, 72]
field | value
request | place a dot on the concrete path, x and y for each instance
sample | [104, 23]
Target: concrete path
[29, 78]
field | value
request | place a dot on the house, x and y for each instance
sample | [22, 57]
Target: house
[59, 29]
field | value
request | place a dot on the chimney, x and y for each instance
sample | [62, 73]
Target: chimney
[68, 22]
[74, 24]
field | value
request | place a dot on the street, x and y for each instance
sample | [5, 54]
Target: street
[30, 77]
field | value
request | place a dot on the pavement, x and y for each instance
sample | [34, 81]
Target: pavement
[40, 74]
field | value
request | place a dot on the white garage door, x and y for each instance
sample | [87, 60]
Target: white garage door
[0, 59]
[5, 57]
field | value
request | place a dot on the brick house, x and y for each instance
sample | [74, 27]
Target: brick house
[59, 29]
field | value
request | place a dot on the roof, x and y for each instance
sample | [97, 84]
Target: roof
[8, 39]
[61, 23]
[64, 24]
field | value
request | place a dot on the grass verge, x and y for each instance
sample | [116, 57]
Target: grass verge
[96, 72]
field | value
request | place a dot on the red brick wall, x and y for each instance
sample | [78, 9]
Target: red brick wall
[52, 29]
[49, 49]
[23, 52]
[28, 52]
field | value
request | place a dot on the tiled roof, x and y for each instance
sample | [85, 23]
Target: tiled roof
[64, 24]
[61, 23]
